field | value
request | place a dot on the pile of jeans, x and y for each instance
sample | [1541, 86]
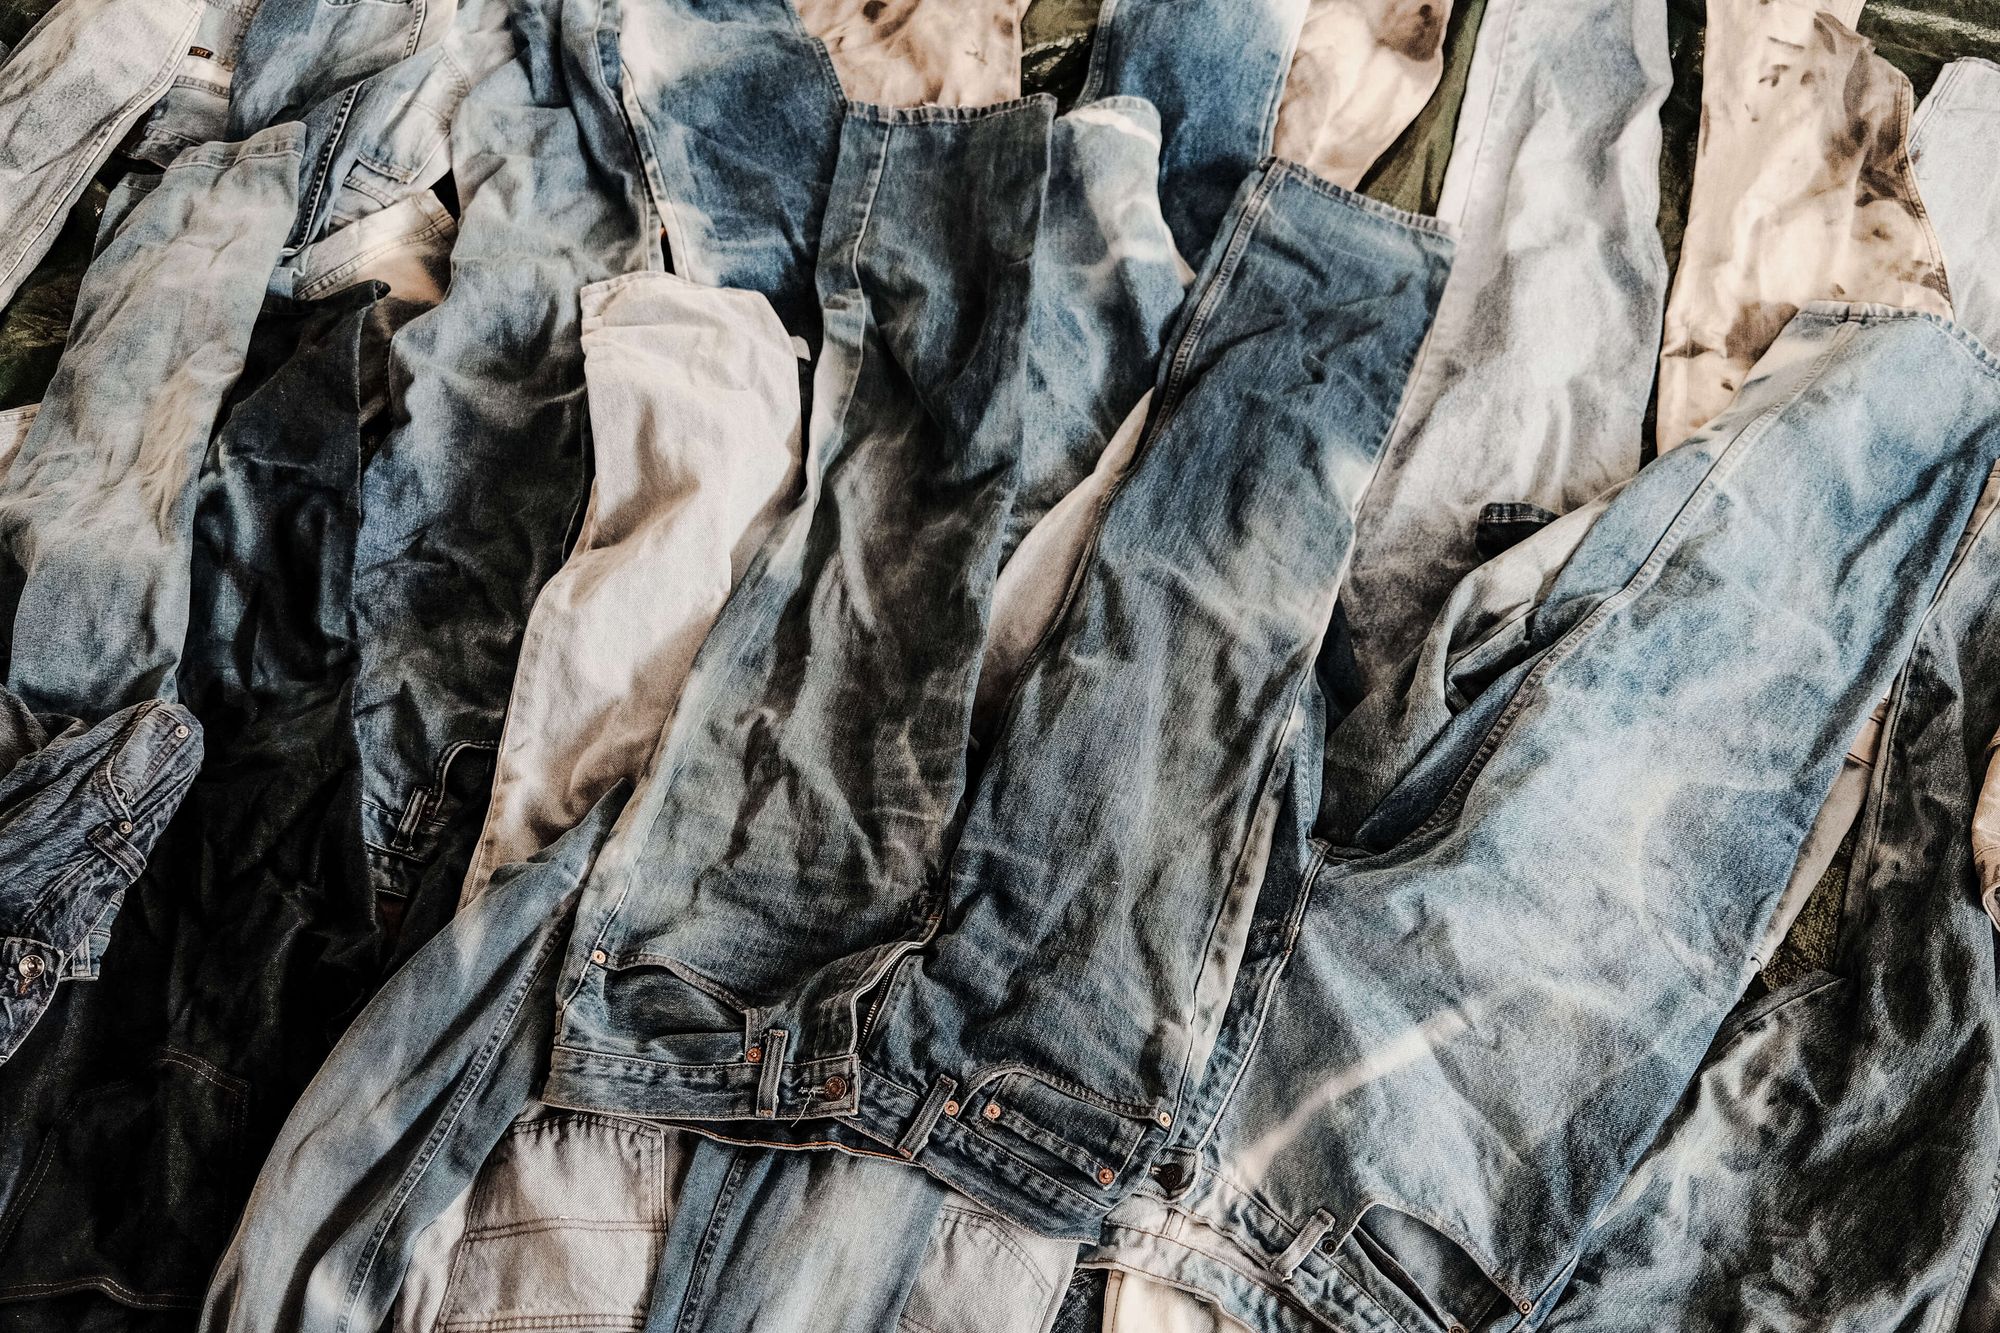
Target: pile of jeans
[719, 666]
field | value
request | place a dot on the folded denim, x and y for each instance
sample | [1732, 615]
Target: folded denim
[921, 52]
[406, 247]
[1553, 193]
[194, 108]
[1802, 192]
[1269, 342]
[69, 92]
[162, 1083]
[1399, 1145]
[99, 500]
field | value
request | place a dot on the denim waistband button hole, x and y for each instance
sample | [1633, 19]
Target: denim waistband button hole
[754, 1054]
[992, 1111]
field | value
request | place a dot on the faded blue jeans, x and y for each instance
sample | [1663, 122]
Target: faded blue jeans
[1529, 870]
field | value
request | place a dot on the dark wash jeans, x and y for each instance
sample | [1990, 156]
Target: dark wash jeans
[251, 938]
[1529, 868]
[895, 1003]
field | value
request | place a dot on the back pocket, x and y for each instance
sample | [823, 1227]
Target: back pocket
[564, 1227]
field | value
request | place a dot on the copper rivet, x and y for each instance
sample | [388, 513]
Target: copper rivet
[598, 956]
[754, 1054]
[836, 1087]
[1526, 1307]
[1165, 1118]
[1456, 1328]
[992, 1111]
[951, 1108]
[1105, 1175]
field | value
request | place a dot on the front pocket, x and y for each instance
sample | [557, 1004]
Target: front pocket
[564, 1227]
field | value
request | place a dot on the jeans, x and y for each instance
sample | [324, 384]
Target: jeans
[141, 1112]
[752, 1042]
[1528, 870]
[1553, 190]
[69, 92]
[99, 500]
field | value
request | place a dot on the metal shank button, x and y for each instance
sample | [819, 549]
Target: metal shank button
[836, 1087]
[30, 966]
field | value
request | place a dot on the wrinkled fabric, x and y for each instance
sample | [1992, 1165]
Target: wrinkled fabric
[1802, 192]
[1552, 190]
[921, 52]
[99, 500]
[1398, 1134]
[69, 91]
[1360, 72]
[696, 436]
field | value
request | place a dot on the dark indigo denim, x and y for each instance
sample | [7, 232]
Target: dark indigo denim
[251, 938]
[697, 1000]
[80, 807]
[1535, 891]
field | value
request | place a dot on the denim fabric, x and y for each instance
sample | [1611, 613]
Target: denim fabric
[1530, 841]
[80, 808]
[1865, 1096]
[406, 247]
[774, 1242]
[1802, 192]
[100, 497]
[445, 1056]
[696, 434]
[1952, 133]
[164, 1085]
[1310, 313]
[467, 504]
[69, 92]
[1553, 189]
[194, 108]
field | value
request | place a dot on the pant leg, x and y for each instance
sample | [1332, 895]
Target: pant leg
[100, 496]
[1949, 136]
[1552, 190]
[69, 92]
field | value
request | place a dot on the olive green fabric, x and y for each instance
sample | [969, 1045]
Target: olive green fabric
[1411, 174]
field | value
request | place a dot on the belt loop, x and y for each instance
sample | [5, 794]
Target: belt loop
[1309, 1235]
[919, 1132]
[774, 1072]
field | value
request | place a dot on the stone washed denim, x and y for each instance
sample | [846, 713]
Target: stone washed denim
[163, 1084]
[467, 504]
[80, 79]
[754, 1041]
[99, 499]
[1865, 1096]
[1406, 1144]
[1553, 191]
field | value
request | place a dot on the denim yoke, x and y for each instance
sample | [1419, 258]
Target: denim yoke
[1335, 274]
[1411, 1127]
